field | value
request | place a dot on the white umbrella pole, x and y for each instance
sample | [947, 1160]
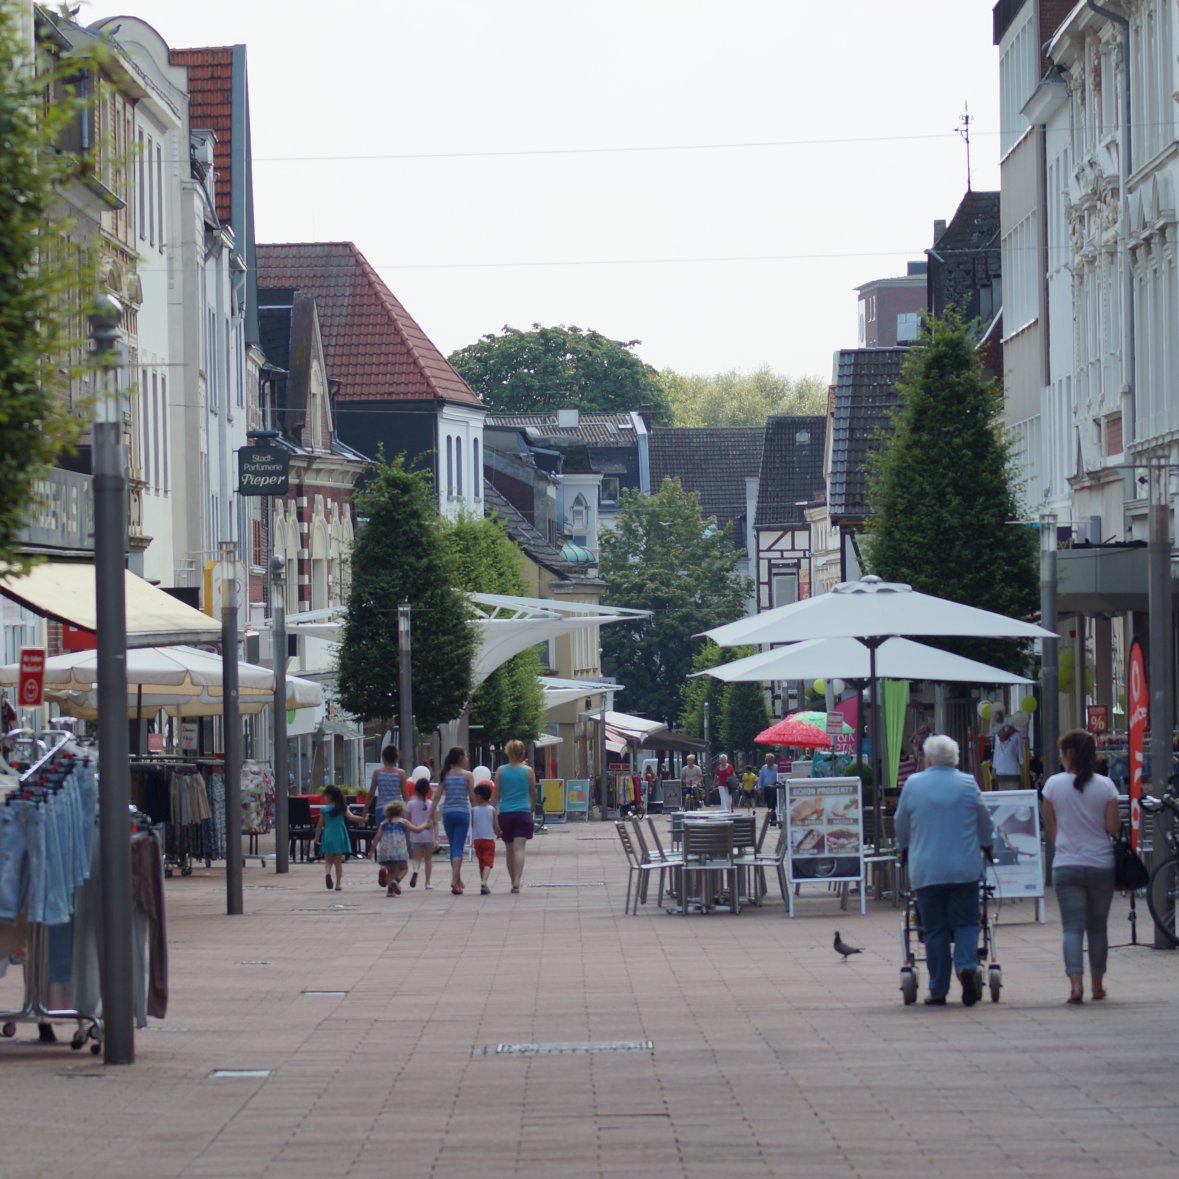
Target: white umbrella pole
[877, 760]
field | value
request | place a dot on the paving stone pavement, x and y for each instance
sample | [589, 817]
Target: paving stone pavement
[769, 1055]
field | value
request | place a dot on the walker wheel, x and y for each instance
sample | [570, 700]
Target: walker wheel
[186, 871]
[995, 978]
[77, 1040]
[9, 1030]
[96, 1048]
[909, 985]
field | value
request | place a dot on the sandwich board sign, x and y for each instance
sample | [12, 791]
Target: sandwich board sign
[825, 832]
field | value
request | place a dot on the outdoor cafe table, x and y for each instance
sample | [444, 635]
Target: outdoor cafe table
[741, 859]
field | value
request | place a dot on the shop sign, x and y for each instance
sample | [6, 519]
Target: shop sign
[1097, 718]
[263, 470]
[825, 829]
[32, 677]
[577, 792]
[1137, 702]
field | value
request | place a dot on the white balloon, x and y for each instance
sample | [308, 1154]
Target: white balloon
[421, 772]
[1019, 719]
[482, 774]
[838, 686]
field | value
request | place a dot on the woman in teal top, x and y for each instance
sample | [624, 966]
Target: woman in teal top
[453, 801]
[514, 799]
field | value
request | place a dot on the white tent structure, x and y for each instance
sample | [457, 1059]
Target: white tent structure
[849, 659]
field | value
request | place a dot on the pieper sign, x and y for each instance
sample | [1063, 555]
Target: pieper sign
[263, 470]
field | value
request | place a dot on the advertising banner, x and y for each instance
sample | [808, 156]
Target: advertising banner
[1138, 703]
[1018, 868]
[825, 829]
[577, 795]
[553, 792]
[32, 677]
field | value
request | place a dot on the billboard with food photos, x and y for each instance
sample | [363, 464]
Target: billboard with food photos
[825, 829]
[1017, 869]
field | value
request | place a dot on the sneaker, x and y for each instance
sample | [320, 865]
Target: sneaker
[429, 888]
[971, 981]
[413, 881]
[327, 879]
[484, 890]
[395, 887]
[935, 1000]
[389, 892]
[382, 877]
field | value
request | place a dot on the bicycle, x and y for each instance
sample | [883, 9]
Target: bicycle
[1162, 893]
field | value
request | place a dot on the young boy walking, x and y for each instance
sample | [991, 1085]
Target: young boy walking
[484, 832]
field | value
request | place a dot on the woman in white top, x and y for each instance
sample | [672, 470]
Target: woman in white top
[1080, 814]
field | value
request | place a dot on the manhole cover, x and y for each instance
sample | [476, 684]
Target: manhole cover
[570, 884]
[563, 1049]
[329, 909]
[239, 1074]
[337, 994]
[254, 962]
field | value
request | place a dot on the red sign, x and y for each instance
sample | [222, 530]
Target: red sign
[1097, 718]
[1137, 702]
[74, 638]
[32, 676]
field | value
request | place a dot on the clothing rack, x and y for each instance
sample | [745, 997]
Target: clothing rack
[64, 766]
[187, 834]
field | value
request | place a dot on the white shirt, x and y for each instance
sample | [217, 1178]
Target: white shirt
[1008, 755]
[1081, 838]
[483, 822]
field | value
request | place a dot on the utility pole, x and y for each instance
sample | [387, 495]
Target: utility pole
[232, 727]
[114, 783]
[278, 631]
[405, 684]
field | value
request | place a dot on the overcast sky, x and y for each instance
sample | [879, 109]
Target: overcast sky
[711, 179]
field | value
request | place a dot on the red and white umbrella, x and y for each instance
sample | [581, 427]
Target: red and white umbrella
[793, 732]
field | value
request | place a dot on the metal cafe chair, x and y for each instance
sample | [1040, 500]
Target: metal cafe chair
[708, 860]
[638, 869]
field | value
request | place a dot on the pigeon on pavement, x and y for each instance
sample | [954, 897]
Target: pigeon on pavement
[841, 947]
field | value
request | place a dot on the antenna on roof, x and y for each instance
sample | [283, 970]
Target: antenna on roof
[963, 129]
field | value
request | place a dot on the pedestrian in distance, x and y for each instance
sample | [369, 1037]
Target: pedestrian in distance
[453, 801]
[691, 776]
[484, 832]
[725, 780]
[514, 799]
[749, 788]
[424, 837]
[767, 782]
[391, 846]
[387, 784]
[1080, 814]
[331, 834]
[1007, 758]
[943, 828]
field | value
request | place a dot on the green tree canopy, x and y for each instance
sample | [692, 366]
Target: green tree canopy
[737, 712]
[740, 399]
[509, 703]
[663, 556]
[43, 276]
[744, 714]
[551, 368]
[942, 495]
[400, 555]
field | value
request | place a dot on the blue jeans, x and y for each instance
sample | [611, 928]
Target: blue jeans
[1084, 896]
[456, 824]
[949, 912]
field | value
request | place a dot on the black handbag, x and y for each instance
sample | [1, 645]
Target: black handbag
[1130, 873]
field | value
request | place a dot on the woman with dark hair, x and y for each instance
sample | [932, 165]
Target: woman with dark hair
[1080, 814]
[453, 801]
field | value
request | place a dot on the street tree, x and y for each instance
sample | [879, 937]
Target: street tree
[662, 555]
[740, 399]
[744, 714]
[510, 702]
[43, 277]
[551, 368]
[737, 712]
[400, 555]
[942, 493]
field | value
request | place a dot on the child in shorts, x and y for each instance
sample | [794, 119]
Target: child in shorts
[391, 846]
[484, 832]
[424, 840]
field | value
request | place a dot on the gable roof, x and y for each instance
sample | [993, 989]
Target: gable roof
[791, 469]
[374, 347]
[210, 108]
[711, 462]
[966, 256]
[865, 393]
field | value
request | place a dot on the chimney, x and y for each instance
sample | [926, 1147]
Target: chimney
[939, 227]
[644, 411]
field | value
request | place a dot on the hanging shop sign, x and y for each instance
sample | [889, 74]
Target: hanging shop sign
[1137, 701]
[263, 470]
[32, 677]
[1097, 718]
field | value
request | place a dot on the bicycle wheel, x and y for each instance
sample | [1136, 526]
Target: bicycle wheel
[1162, 895]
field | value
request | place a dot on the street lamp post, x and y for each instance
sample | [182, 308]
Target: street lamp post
[1050, 648]
[278, 631]
[114, 785]
[233, 730]
[405, 683]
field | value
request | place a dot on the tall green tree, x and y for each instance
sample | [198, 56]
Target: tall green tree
[400, 555]
[942, 493]
[551, 368]
[662, 555]
[705, 690]
[510, 702]
[740, 399]
[43, 278]
[744, 714]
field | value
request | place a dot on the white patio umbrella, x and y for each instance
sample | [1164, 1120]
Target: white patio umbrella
[849, 659]
[146, 701]
[872, 611]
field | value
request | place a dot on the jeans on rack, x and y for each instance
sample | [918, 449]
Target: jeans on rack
[32, 823]
[13, 871]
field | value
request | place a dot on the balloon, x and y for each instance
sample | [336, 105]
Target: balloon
[838, 686]
[819, 687]
[1019, 719]
[984, 710]
[1029, 704]
[421, 772]
[482, 774]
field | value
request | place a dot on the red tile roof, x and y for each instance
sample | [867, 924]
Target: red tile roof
[210, 108]
[373, 346]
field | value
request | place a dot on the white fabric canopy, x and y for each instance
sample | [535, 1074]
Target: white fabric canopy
[896, 659]
[871, 609]
[301, 694]
[560, 691]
